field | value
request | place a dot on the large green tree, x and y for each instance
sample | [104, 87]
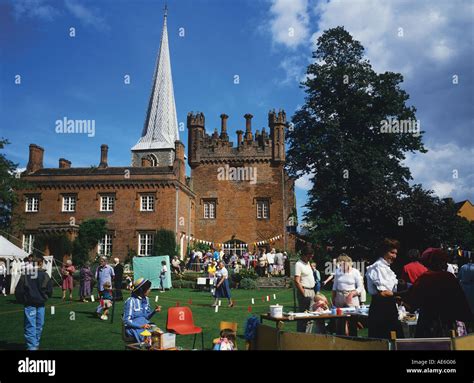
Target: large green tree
[9, 182]
[91, 231]
[358, 176]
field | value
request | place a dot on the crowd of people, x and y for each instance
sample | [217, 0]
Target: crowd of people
[265, 263]
[441, 292]
[426, 284]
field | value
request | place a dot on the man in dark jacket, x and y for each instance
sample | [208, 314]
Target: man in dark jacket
[118, 270]
[33, 290]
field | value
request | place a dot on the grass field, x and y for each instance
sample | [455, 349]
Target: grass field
[75, 326]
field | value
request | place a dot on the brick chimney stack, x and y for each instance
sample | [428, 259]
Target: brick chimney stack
[179, 165]
[224, 135]
[64, 164]
[248, 127]
[35, 160]
[239, 137]
[104, 150]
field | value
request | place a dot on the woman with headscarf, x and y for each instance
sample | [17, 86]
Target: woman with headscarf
[437, 318]
[86, 276]
[137, 311]
[67, 271]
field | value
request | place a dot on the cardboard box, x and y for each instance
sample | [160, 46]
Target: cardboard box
[163, 340]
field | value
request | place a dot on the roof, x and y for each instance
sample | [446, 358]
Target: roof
[9, 250]
[461, 203]
[95, 171]
[160, 130]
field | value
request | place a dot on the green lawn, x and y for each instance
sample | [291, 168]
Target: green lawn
[74, 326]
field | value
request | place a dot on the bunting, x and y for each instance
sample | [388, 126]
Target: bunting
[243, 246]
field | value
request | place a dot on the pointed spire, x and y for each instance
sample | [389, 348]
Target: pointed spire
[160, 130]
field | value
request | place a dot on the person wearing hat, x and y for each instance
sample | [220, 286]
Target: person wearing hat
[304, 283]
[137, 311]
[437, 317]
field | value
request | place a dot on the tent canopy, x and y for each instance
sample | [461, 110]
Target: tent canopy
[10, 251]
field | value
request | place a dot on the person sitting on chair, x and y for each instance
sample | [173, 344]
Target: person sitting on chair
[137, 311]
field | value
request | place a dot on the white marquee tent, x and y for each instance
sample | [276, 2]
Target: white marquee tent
[14, 256]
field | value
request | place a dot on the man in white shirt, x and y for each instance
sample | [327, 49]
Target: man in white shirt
[271, 262]
[304, 284]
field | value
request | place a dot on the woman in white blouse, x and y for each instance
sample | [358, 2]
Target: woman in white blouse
[347, 285]
[382, 286]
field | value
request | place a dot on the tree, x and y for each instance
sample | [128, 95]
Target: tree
[165, 243]
[91, 231]
[8, 184]
[358, 178]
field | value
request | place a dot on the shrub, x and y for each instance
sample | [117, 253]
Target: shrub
[165, 243]
[248, 273]
[182, 284]
[248, 284]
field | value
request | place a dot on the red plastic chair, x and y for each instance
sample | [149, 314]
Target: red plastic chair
[180, 322]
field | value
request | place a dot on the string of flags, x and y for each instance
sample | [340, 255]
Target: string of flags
[229, 245]
[264, 299]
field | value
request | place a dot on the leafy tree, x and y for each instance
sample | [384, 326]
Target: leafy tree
[358, 175]
[9, 182]
[91, 231]
[165, 243]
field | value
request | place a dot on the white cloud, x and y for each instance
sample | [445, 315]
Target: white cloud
[447, 169]
[289, 23]
[34, 9]
[294, 68]
[304, 182]
[46, 10]
[402, 36]
[87, 16]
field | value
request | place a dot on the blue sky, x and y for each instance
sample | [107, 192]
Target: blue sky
[83, 77]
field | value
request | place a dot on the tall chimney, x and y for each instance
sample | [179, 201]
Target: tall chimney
[224, 118]
[64, 164]
[35, 161]
[239, 137]
[104, 149]
[248, 127]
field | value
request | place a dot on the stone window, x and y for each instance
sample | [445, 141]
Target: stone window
[69, 203]
[105, 245]
[28, 240]
[32, 204]
[263, 209]
[210, 209]
[147, 202]
[107, 202]
[145, 244]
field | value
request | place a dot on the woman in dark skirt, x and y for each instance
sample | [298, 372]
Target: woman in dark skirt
[222, 285]
[382, 285]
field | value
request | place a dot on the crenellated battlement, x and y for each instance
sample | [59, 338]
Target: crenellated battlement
[205, 148]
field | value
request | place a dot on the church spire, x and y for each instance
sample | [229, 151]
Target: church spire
[160, 130]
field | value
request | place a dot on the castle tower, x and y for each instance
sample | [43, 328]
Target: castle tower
[277, 124]
[195, 124]
[160, 131]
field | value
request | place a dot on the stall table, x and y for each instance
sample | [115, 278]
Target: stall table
[352, 318]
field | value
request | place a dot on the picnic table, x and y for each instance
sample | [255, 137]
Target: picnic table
[352, 318]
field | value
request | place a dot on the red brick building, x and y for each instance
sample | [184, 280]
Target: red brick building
[235, 195]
